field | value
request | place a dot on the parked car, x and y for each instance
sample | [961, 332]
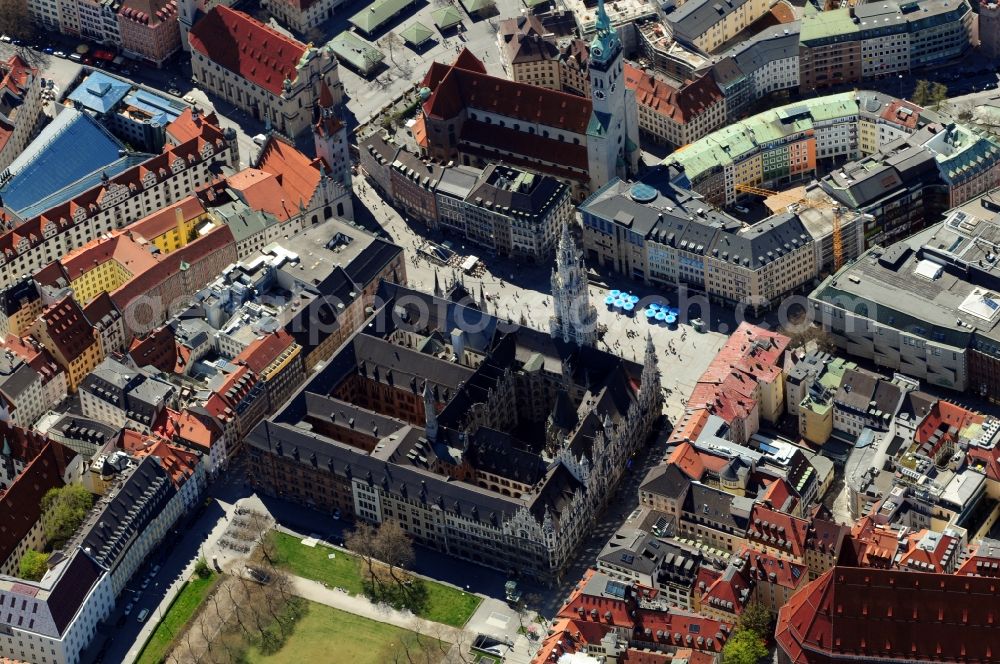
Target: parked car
[189, 99]
[741, 209]
[142, 615]
[48, 50]
[60, 54]
[259, 139]
[128, 609]
[5, 39]
[76, 57]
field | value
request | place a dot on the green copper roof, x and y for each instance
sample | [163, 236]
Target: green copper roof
[416, 33]
[734, 142]
[377, 14]
[447, 17]
[831, 26]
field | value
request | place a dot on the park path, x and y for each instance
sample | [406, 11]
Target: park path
[362, 606]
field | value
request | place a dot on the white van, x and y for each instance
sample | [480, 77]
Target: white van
[259, 139]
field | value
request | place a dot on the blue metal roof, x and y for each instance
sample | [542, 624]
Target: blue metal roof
[161, 108]
[99, 92]
[73, 146]
[83, 184]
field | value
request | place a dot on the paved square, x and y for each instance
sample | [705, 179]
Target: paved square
[520, 292]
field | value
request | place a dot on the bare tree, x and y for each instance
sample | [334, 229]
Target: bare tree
[393, 547]
[260, 526]
[362, 541]
[390, 40]
[15, 21]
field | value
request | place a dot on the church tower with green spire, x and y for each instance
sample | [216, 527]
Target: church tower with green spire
[613, 133]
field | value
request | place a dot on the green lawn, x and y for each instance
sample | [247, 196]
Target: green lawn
[449, 605]
[314, 563]
[445, 604]
[177, 618]
[326, 634]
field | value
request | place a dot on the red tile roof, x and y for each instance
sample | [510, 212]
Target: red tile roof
[563, 159]
[164, 220]
[728, 386]
[298, 175]
[199, 431]
[188, 125]
[68, 328]
[149, 12]
[167, 266]
[261, 190]
[32, 231]
[985, 460]
[180, 464]
[566, 637]
[689, 427]
[984, 560]
[770, 569]
[902, 113]
[247, 47]
[687, 459]
[678, 628]
[157, 349]
[876, 615]
[466, 85]
[778, 493]
[680, 106]
[263, 351]
[120, 247]
[921, 559]
[769, 527]
[37, 357]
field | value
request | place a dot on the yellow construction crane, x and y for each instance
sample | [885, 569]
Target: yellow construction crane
[838, 240]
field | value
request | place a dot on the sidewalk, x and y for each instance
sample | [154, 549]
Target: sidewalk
[361, 606]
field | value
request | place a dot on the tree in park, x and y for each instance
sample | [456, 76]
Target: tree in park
[744, 647]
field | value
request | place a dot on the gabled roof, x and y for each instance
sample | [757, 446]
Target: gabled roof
[68, 328]
[263, 351]
[874, 615]
[164, 220]
[74, 145]
[20, 504]
[298, 175]
[466, 85]
[686, 458]
[247, 47]
[678, 105]
[777, 529]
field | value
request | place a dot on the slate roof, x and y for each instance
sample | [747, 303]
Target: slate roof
[694, 18]
[109, 533]
[666, 480]
[401, 475]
